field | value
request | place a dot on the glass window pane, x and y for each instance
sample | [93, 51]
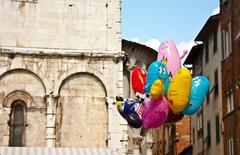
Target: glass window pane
[217, 129]
[17, 124]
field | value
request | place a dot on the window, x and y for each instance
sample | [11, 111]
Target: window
[226, 35]
[206, 52]
[230, 105]
[215, 41]
[208, 97]
[199, 124]
[208, 94]
[208, 138]
[216, 82]
[215, 85]
[17, 124]
[230, 146]
[224, 1]
[217, 129]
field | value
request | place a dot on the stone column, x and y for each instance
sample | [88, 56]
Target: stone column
[136, 145]
[117, 128]
[51, 102]
[149, 146]
[5, 127]
[149, 142]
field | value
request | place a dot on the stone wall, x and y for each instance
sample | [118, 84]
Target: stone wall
[90, 25]
[80, 83]
[22, 84]
[82, 112]
[62, 58]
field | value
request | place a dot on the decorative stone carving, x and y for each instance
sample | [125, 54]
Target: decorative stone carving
[51, 102]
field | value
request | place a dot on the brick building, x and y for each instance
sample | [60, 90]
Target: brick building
[183, 133]
[230, 28]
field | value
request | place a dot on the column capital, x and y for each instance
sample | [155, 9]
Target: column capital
[149, 145]
[136, 142]
[51, 99]
[51, 96]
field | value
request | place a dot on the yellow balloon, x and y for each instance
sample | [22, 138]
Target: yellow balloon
[119, 104]
[157, 90]
[179, 90]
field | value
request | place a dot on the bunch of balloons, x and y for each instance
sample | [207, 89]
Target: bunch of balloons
[165, 93]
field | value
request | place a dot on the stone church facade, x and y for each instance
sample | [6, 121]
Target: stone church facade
[59, 61]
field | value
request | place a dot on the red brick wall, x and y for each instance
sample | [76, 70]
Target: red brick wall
[183, 133]
[236, 46]
[236, 49]
[231, 73]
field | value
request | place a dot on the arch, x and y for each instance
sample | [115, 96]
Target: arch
[89, 71]
[18, 95]
[81, 73]
[82, 107]
[26, 71]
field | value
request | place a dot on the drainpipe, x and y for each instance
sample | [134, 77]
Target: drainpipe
[51, 101]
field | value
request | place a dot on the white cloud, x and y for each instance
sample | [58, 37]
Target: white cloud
[181, 46]
[136, 40]
[216, 11]
[153, 43]
[185, 46]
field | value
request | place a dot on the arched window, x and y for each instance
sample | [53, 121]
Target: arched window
[17, 124]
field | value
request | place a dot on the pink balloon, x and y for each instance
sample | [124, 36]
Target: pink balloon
[154, 112]
[168, 52]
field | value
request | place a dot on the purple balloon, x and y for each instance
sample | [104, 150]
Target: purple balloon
[155, 112]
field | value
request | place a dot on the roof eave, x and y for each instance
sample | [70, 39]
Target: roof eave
[210, 25]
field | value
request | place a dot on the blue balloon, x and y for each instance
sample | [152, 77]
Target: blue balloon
[134, 120]
[156, 71]
[200, 87]
[129, 105]
[129, 111]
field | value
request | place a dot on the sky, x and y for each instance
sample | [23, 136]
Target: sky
[150, 22]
